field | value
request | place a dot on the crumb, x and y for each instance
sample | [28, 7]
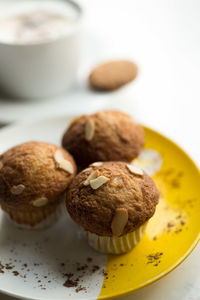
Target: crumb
[80, 288]
[178, 230]
[105, 273]
[180, 174]
[175, 183]
[70, 283]
[15, 273]
[95, 268]
[82, 268]
[169, 225]
[9, 267]
[154, 258]
[69, 275]
[89, 259]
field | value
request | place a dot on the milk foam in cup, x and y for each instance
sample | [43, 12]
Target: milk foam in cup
[33, 21]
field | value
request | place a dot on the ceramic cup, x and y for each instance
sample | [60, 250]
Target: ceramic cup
[44, 68]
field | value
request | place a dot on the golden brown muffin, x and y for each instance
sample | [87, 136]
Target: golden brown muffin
[113, 75]
[103, 136]
[111, 198]
[33, 178]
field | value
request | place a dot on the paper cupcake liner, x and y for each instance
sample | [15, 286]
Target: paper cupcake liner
[115, 245]
[35, 220]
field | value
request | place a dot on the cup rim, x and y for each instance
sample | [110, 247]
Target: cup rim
[76, 26]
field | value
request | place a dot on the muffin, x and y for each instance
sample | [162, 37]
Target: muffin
[112, 202]
[103, 136]
[33, 180]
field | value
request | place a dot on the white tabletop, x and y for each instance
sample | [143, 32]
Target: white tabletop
[163, 38]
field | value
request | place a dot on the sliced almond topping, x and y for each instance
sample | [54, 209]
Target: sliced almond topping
[66, 165]
[93, 175]
[40, 202]
[119, 221]
[134, 170]
[58, 156]
[96, 164]
[17, 189]
[99, 181]
[89, 130]
[1, 165]
[87, 169]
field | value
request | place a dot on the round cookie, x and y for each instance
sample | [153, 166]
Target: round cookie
[112, 75]
[103, 136]
[33, 179]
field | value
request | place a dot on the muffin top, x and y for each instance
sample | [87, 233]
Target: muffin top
[103, 136]
[34, 174]
[111, 198]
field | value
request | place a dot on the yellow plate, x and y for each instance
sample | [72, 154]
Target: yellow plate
[173, 231]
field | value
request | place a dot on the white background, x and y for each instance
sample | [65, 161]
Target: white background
[163, 38]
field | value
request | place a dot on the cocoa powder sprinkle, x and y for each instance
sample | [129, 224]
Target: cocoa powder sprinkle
[69, 275]
[70, 283]
[154, 258]
[89, 259]
[80, 288]
[15, 273]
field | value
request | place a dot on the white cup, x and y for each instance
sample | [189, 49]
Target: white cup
[41, 69]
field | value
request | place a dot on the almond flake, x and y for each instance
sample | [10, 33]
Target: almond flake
[93, 175]
[89, 129]
[87, 169]
[96, 164]
[40, 202]
[119, 221]
[58, 156]
[134, 170]
[66, 165]
[17, 189]
[99, 181]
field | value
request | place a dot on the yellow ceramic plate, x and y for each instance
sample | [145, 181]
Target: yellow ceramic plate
[173, 231]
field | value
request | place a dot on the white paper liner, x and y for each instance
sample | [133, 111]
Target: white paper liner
[47, 222]
[115, 245]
